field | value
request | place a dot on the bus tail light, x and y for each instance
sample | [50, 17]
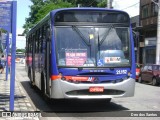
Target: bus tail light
[55, 77]
[78, 79]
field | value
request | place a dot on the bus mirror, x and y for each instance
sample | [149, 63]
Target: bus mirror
[134, 35]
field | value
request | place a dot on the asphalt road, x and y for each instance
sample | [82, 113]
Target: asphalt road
[145, 102]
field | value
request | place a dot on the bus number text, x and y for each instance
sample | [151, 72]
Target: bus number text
[121, 71]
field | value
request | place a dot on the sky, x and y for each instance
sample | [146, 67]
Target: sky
[130, 6]
[22, 13]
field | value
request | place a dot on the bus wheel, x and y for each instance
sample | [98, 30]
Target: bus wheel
[42, 84]
[140, 79]
[31, 78]
[43, 91]
[154, 81]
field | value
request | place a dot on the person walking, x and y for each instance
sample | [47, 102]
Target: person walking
[2, 63]
[9, 63]
[1, 66]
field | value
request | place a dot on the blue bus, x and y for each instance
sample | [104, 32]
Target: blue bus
[82, 53]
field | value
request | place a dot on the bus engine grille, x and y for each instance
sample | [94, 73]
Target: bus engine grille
[86, 92]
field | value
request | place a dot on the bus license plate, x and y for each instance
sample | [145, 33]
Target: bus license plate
[96, 89]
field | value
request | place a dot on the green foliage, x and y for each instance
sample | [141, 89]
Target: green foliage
[41, 8]
[102, 3]
[21, 50]
[2, 31]
[48, 7]
[85, 3]
[31, 20]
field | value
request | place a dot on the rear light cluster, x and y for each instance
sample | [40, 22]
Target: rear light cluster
[77, 79]
[74, 81]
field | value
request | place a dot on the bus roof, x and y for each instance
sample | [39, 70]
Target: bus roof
[87, 8]
[53, 12]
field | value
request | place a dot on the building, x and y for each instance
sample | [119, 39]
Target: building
[148, 32]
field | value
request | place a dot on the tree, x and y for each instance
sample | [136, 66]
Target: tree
[21, 50]
[88, 3]
[41, 8]
[85, 3]
[31, 20]
[103, 3]
[48, 7]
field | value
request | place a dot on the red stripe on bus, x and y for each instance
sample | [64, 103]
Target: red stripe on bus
[55, 77]
[76, 78]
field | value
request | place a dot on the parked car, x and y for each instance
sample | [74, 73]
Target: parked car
[138, 69]
[150, 73]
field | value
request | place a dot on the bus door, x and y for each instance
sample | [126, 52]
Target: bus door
[46, 62]
[33, 60]
[37, 58]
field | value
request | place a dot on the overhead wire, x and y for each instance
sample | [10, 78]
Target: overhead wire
[130, 6]
[91, 3]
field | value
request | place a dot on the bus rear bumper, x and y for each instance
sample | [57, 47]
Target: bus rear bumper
[65, 90]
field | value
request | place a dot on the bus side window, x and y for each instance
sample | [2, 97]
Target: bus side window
[59, 18]
[48, 33]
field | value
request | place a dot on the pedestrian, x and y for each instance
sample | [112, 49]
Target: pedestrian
[1, 66]
[9, 63]
[2, 63]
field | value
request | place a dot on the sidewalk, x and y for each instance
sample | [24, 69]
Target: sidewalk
[21, 102]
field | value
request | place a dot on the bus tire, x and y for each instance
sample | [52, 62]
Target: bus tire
[43, 91]
[140, 79]
[154, 82]
[42, 84]
[30, 74]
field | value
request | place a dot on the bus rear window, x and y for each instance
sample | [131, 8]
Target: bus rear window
[91, 16]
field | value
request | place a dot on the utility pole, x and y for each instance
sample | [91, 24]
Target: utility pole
[158, 33]
[109, 4]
